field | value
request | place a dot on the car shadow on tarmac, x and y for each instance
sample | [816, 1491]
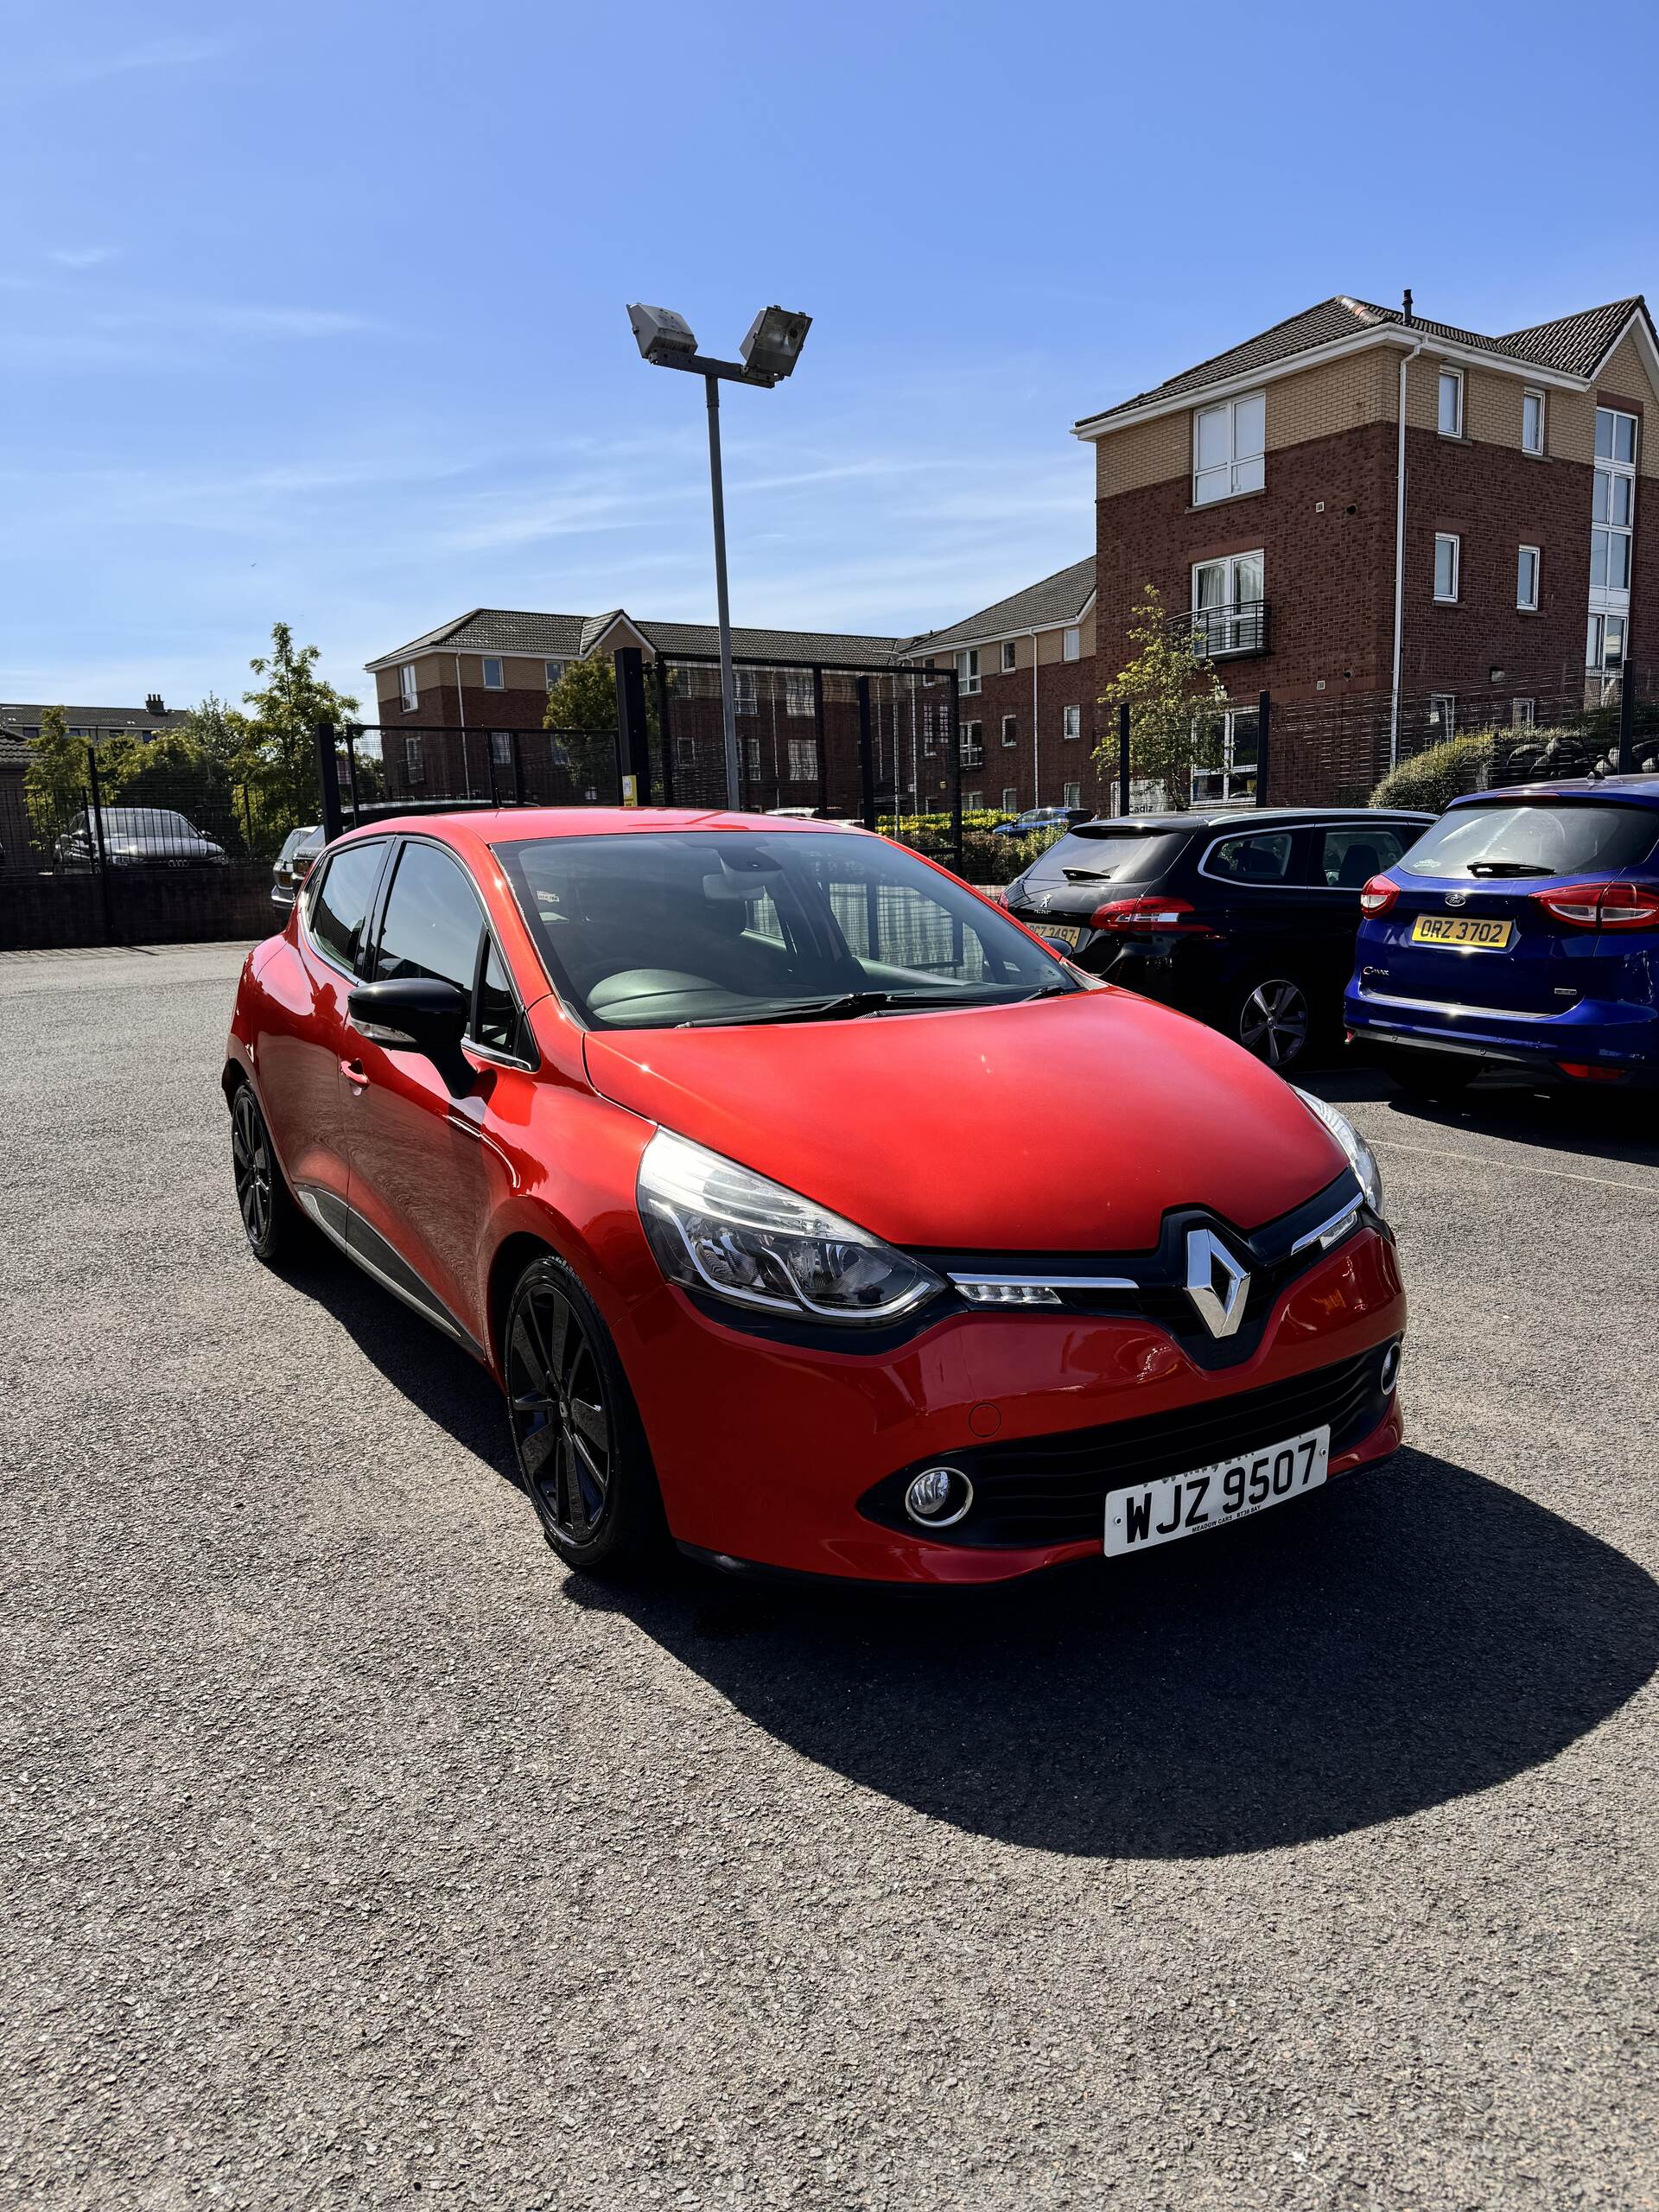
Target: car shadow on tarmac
[1585, 1124]
[1407, 1635]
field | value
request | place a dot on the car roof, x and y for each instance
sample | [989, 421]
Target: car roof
[502, 825]
[1266, 818]
[1644, 790]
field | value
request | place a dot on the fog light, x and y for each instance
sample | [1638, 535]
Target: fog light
[1390, 1374]
[938, 1497]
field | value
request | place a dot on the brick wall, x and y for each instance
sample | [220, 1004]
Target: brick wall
[145, 906]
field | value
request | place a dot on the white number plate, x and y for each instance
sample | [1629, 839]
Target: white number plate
[1184, 1505]
[1058, 932]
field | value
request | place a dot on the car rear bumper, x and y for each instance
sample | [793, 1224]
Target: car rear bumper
[1609, 1035]
[786, 1455]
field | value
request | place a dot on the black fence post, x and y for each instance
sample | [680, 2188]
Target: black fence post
[865, 757]
[956, 771]
[518, 770]
[664, 739]
[632, 742]
[1264, 744]
[1627, 720]
[328, 782]
[1123, 757]
[95, 807]
[819, 740]
[353, 731]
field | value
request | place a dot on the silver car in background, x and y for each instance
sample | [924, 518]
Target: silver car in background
[294, 864]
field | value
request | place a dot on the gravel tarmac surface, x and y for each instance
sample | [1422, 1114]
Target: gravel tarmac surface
[355, 1854]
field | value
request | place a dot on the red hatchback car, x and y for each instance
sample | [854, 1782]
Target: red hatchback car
[806, 1208]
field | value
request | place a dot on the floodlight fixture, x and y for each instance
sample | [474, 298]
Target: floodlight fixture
[773, 344]
[665, 338]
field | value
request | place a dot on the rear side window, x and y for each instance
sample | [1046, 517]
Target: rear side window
[339, 905]
[1263, 859]
[1114, 856]
[1347, 858]
[1534, 837]
[433, 921]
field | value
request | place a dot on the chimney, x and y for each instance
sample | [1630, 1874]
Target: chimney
[1405, 307]
[153, 699]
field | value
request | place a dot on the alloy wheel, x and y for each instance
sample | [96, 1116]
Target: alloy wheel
[561, 1425]
[250, 1165]
[1274, 1022]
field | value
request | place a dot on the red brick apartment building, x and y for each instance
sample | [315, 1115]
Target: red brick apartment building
[1276, 492]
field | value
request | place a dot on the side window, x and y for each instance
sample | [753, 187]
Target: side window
[339, 906]
[496, 1018]
[433, 921]
[1351, 856]
[1263, 859]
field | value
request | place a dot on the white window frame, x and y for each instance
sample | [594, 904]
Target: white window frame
[414, 759]
[1242, 472]
[967, 676]
[1612, 473]
[1523, 713]
[745, 694]
[802, 759]
[1010, 729]
[1010, 798]
[972, 741]
[1071, 644]
[1010, 655]
[1528, 605]
[1071, 723]
[1529, 395]
[408, 687]
[501, 747]
[486, 663]
[1072, 794]
[1448, 538]
[1596, 642]
[973, 802]
[1234, 779]
[797, 692]
[553, 673]
[1445, 703]
[1454, 377]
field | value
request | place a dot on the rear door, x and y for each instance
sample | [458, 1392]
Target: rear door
[1338, 858]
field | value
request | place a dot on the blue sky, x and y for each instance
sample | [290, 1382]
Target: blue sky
[319, 312]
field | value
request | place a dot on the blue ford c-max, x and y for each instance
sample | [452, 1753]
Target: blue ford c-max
[1523, 929]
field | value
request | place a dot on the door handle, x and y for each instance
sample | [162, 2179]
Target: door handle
[355, 1073]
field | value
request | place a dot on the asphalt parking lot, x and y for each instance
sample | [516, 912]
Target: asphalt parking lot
[355, 1855]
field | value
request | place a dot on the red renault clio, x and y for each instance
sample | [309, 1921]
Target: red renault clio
[808, 1210]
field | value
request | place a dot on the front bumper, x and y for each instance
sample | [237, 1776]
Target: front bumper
[1619, 1036]
[776, 1454]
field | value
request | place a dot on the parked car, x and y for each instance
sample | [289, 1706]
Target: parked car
[295, 862]
[1041, 817]
[1244, 917]
[724, 1144]
[136, 836]
[1523, 930]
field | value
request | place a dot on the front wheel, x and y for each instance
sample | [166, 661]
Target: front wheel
[577, 1433]
[1271, 1018]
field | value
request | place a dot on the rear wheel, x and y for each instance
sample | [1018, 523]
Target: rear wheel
[270, 1220]
[1271, 1017]
[577, 1433]
[1430, 1075]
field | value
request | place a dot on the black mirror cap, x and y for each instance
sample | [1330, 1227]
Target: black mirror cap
[417, 1013]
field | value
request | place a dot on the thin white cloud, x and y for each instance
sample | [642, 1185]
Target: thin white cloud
[91, 67]
[80, 257]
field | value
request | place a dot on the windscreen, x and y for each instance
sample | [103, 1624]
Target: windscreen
[146, 821]
[1532, 837]
[1100, 855]
[666, 929]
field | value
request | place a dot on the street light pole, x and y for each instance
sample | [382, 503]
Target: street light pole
[728, 688]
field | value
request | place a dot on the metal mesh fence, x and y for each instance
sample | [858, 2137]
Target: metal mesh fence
[403, 769]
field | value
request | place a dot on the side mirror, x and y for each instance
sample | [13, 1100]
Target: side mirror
[417, 1013]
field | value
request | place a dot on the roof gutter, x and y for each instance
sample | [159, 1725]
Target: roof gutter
[1406, 359]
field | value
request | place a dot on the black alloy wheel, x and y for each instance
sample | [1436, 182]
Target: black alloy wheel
[270, 1218]
[576, 1434]
[1273, 1020]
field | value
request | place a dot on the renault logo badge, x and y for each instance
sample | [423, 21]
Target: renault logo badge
[1215, 1283]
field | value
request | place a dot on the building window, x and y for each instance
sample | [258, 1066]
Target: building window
[1228, 597]
[501, 747]
[685, 750]
[1073, 795]
[1071, 722]
[1448, 558]
[797, 691]
[803, 760]
[1010, 655]
[1526, 579]
[553, 673]
[1070, 644]
[1451, 404]
[972, 745]
[752, 756]
[1532, 420]
[494, 680]
[1442, 715]
[1010, 729]
[743, 694]
[1236, 777]
[973, 802]
[1522, 713]
[968, 669]
[1010, 798]
[1604, 649]
[927, 725]
[407, 689]
[1228, 443]
[1612, 510]
[415, 759]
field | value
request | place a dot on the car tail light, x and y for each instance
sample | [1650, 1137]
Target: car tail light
[1146, 917]
[1378, 895]
[1603, 905]
[1582, 1072]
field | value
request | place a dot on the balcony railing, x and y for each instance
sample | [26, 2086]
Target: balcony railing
[972, 755]
[1219, 632]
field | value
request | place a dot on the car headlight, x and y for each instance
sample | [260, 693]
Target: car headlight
[719, 1228]
[1361, 1158]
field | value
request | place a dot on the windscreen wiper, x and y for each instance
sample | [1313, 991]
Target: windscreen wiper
[1507, 868]
[847, 1006]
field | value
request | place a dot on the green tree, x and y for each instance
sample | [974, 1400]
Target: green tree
[1175, 701]
[584, 700]
[55, 778]
[281, 723]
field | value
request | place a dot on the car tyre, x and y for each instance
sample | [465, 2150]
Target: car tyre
[271, 1219]
[1430, 1075]
[577, 1436]
[1272, 1017]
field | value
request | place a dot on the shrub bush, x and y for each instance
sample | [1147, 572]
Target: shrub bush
[985, 859]
[1490, 759]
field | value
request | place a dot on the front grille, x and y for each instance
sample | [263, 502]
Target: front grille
[1052, 1490]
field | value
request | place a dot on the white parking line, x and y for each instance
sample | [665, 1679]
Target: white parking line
[1524, 1167]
